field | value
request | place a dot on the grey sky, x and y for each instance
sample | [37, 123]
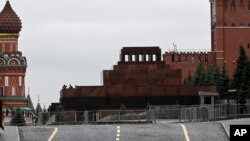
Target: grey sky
[72, 41]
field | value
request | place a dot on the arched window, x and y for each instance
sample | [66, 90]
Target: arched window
[233, 6]
[233, 24]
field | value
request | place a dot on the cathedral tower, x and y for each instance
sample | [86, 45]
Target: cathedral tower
[12, 63]
[230, 29]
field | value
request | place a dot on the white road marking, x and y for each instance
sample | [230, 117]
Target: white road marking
[53, 134]
[185, 132]
[118, 133]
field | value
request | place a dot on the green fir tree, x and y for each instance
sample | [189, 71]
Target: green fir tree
[45, 116]
[18, 118]
[223, 83]
[199, 75]
[241, 77]
[208, 80]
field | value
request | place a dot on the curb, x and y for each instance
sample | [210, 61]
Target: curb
[224, 129]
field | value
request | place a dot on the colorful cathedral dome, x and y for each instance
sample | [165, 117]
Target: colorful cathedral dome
[9, 21]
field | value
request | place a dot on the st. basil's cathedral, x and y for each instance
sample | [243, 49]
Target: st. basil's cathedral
[12, 66]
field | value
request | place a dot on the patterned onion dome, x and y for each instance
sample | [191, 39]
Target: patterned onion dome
[9, 21]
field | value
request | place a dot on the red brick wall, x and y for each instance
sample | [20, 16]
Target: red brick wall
[227, 38]
[187, 61]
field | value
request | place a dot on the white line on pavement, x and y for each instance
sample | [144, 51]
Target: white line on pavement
[118, 133]
[185, 132]
[53, 134]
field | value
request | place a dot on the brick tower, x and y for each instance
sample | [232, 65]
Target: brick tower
[230, 29]
[12, 63]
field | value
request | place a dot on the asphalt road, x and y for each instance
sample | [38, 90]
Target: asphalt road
[127, 132]
[10, 133]
[226, 123]
[34, 133]
[206, 131]
[162, 131]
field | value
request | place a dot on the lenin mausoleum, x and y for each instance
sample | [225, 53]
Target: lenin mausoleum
[144, 75]
[140, 78]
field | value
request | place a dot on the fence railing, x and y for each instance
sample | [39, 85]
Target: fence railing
[194, 113]
[214, 112]
[100, 116]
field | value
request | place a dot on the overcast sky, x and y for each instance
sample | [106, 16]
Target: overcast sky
[72, 41]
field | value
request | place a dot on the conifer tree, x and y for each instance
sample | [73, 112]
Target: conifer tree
[223, 83]
[18, 118]
[208, 80]
[242, 62]
[45, 116]
[199, 75]
[188, 80]
[216, 75]
[243, 90]
[241, 77]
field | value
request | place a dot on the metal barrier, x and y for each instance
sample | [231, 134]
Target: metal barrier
[96, 117]
[214, 112]
[167, 112]
[180, 113]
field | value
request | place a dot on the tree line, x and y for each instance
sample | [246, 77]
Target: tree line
[214, 76]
